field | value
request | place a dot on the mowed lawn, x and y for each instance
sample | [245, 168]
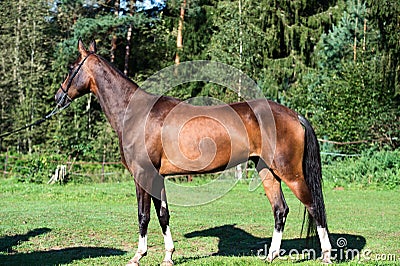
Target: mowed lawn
[96, 224]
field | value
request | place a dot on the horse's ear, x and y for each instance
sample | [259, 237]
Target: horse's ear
[92, 47]
[81, 48]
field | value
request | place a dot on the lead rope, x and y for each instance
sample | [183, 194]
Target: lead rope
[56, 109]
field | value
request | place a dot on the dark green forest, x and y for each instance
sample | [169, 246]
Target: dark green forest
[334, 61]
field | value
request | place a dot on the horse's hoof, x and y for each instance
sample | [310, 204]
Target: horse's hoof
[270, 258]
[132, 263]
[326, 261]
[167, 263]
[326, 257]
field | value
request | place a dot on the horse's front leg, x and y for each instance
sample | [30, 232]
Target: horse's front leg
[144, 203]
[161, 207]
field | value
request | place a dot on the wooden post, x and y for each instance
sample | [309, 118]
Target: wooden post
[5, 163]
[104, 162]
[69, 164]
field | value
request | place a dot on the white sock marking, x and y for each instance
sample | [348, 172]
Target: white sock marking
[325, 244]
[324, 239]
[141, 251]
[169, 244]
[275, 245]
[142, 247]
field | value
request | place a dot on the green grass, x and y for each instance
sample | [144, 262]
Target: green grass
[82, 224]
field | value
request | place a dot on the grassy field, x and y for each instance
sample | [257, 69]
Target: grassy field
[82, 224]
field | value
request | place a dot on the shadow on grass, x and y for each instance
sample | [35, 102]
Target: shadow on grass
[8, 242]
[48, 257]
[234, 241]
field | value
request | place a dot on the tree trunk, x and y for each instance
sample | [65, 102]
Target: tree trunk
[355, 40]
[131, 4]
[239, 170]
[17, 69]
[114, 37]
[365, 33]
[89, 103]
[179, 38]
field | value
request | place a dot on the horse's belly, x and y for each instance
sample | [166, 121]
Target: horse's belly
[203, 144]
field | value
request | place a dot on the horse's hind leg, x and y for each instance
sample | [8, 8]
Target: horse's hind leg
[273, 190]
[302, 192]
[161, 207]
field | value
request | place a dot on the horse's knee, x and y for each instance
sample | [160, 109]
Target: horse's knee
[164, 218]
[144, 219]
[280, 214]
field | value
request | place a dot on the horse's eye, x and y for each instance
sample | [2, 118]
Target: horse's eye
[70, 68]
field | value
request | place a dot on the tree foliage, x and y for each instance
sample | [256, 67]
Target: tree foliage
[345, 96]
[335, 61]
[26, 38]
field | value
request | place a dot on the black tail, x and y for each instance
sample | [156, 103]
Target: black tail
[313, 178]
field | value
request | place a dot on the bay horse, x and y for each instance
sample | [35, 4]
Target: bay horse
[161, 136]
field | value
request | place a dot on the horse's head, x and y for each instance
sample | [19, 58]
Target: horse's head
[78, 79]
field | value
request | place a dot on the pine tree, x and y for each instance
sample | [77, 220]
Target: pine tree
[271, 41]
[344, 96]
[26, 56]
[384, 15]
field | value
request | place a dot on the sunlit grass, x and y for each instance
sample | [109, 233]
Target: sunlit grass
[97, 224]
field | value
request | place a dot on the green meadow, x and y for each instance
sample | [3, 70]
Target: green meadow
[93, 224]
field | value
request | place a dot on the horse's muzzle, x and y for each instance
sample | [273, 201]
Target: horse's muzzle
[62, 99]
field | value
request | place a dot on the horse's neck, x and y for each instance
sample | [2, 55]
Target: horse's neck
[114, 92]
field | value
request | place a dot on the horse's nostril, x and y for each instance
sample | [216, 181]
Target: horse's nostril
[58, 98]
